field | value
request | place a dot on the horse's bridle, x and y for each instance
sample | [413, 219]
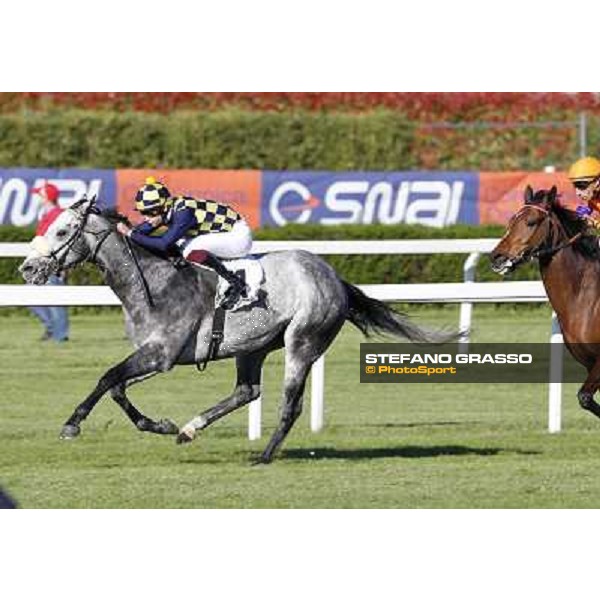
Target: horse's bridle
[59, 255]
[542, 252]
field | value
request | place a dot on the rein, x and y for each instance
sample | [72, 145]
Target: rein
[551, 251]
[545, 252]
[140, 273]
[102, 237]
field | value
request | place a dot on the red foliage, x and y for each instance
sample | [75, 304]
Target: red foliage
[430, 106]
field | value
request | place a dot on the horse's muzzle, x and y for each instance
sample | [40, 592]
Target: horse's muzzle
[504, 265]
[36, 271]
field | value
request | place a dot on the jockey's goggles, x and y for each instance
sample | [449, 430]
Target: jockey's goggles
[582, 185]
[152, 212]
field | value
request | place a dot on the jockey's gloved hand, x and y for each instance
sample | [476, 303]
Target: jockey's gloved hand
[583, 211]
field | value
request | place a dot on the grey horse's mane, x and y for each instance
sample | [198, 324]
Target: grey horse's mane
[113, 216]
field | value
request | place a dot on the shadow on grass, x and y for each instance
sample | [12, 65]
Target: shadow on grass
[423, 424]
[398, 452]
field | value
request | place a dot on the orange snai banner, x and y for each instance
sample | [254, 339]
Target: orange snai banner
[239, 189]
[501, 194]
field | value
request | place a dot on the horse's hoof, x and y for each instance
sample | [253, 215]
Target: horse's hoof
[70, 432]
[186, 435]
[167, 427]
[261, 461]
[145, 424]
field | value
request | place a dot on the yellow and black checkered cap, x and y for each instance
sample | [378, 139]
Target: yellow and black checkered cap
[151, 196]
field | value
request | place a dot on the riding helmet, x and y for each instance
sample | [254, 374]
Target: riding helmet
[585, 169]
[151, 196]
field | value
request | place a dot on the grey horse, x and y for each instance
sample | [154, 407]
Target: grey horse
[302, 307]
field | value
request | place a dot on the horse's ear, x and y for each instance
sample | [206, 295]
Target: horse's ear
[79, 203]
[528, 195]
[552, 195]
[93, 206]
[85, 205]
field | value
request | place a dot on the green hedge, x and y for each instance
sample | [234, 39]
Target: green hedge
[301, 140]
[228, 139]
[354, 268]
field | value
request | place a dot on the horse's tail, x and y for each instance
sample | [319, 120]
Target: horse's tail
[372, 316]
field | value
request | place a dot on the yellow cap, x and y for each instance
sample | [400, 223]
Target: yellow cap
[150, 180]
[585, 168]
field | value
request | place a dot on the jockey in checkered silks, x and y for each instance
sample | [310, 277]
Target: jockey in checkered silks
[202, 231]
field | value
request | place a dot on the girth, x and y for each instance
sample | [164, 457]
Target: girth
[216, 337]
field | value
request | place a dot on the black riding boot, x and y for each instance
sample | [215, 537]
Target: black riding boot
[237, 286]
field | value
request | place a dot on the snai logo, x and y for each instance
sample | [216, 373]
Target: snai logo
[316, 198]
[19, 206]
[292, 202]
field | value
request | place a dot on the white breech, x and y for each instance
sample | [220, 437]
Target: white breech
[227, 244]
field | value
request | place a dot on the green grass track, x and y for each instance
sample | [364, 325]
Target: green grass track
[383, 446]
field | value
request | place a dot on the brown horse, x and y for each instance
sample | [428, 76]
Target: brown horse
[569, 261]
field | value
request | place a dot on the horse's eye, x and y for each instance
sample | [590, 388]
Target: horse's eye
[532, 223]
[61, 234]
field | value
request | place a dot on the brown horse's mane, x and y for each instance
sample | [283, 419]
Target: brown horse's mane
[587, 244]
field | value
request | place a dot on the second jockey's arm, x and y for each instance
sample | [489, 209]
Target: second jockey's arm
[593, 220]
[183, 220]
[593, 217]
[586, 212]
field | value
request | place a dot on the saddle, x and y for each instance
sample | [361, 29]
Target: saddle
[251, 272]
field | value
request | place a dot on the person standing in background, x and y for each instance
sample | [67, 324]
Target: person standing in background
[6, 501]
[54, 318]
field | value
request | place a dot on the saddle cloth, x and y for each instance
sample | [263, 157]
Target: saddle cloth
[251, 271]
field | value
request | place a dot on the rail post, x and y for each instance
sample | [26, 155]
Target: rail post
[466, 308]
[255, 419]
[582, 134]
[317, 398]
[255, 416]
[556, 369]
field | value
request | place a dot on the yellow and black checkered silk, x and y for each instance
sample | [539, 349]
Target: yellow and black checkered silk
[210, 216]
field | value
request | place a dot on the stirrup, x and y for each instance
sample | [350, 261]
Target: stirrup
[180, 263]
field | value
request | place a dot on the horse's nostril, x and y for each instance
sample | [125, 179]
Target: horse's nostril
[497, 260]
